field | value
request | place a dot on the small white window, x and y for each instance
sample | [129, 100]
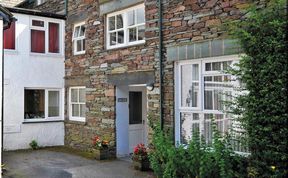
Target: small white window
[79, 38]
[77, 103]
[126, 27]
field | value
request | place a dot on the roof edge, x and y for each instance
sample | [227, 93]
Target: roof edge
[36, 13]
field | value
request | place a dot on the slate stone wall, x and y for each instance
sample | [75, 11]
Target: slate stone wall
[184, 23]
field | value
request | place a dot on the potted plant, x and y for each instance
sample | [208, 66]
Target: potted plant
[140, 158]
[100, 148]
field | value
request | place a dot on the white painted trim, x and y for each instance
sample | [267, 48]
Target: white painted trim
[125, 28]
[80, 119]
[75, 39]
[46, 30]
[202, 73]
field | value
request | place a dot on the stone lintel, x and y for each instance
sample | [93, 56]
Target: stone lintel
[132, 78]
[115, 5]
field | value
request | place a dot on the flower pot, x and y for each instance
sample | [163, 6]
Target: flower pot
[142, 165]
[101, 154]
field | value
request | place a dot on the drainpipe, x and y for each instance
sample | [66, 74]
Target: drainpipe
[66, 7]
[160, 64]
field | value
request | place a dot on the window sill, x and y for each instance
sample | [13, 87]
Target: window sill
[10, 51]
[40, 121]
[79, 53]
[68, 121]
[125, 46]
[47, 55]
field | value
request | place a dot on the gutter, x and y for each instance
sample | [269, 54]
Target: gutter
[66, 7]
[160, 64]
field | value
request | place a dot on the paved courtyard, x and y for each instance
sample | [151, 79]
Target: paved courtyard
[51, 164]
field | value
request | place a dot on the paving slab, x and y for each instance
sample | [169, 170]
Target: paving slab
[51, 164]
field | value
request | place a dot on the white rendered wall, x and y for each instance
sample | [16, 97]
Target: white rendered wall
[26, 70]
[1, 58]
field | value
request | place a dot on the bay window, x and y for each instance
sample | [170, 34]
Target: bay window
[126, 27]
[9, 37]
[39, 30]
[77, 103]
[202, 88]
[41, 104]
[79, 38]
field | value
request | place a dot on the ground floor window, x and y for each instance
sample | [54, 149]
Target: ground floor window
[41, 104]
[77, 103]
[202, 91]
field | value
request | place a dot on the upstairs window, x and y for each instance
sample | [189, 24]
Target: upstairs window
[126, 27]
[79, 38]
[38, 36]
[39, 30]
[9, 37]
[53, 37]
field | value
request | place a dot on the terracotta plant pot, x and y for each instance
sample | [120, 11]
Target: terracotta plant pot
[142, 165]
[101, 154]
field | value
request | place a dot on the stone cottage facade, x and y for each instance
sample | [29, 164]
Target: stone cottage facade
[115, 61]
[112, 69]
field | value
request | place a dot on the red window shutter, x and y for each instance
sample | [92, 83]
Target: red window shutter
[53, 37]
[9, 37]
[37, 41]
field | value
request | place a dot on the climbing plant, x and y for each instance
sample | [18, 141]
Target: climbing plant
[262, 107]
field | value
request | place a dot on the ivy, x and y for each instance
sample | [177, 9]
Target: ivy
[262, 109]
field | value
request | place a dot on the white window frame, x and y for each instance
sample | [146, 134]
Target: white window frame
[125, 28]
[79, 119]
[75, 39]
[46, 30]
[57, 118]
[177, 78]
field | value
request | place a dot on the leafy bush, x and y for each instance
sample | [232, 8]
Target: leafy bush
[196, 159]
[264, 70]
[34, 145]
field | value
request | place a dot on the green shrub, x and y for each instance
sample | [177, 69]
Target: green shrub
[196, 159]
[34, 145]
[264, 70]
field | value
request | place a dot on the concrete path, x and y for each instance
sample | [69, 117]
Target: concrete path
[49, 164]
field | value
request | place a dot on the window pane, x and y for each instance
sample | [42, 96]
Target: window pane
[189, 126]
[76, 31]
[140, 15]
[74, 95]
[119, 21]
[112, 38]
[132, 34]
[34, 104]
[38, 23]
[216, 66]
[53, 104]
[82, 110]
[208, 67]
[82, 31]
[82, 95]
[75, 110]
[141, 32]
[111, 23]
[208, 100]
[131, 18]
[195, 72]
[78, 45]
[53, 37]
[227, 65]
[120, 36]
[9, 37]
[37, 41]
[83, 45]
[190, 85]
